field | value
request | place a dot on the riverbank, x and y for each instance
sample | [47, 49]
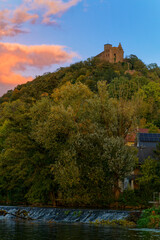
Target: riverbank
[148, 218]
[130, 221]
[113, 206]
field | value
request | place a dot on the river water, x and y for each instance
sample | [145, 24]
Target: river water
[67, 224]
[11, 230]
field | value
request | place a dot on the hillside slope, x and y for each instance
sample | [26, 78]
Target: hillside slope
[62, 136]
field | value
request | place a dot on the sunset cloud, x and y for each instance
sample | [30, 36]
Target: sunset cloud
[17, 58]
[32, 11]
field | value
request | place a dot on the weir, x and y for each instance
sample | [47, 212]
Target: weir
[65, 215]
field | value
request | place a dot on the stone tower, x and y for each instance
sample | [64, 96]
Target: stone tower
[112, 54]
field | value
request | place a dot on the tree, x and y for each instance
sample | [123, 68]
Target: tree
[119, 116]
[120, 159]
[157, 152]
[152, 97]
[136, 63]
[24, 164]
[94, 186]
[66, 176]
[149, 180]
[72, 95]
[16, 147]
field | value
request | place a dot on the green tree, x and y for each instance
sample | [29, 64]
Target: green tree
[149, 180]
[120, 159]
[119, 116]
[136, 63]
[157, 152]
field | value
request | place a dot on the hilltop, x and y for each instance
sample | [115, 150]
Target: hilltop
[124, 80]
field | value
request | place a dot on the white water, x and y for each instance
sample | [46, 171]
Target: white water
[65, 215]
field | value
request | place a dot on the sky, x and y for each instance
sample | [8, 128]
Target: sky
[38, 36]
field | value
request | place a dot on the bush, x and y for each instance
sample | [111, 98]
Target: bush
[143, 223]
[150, 218]
[121, 222]
[137, 197]
[129, 198]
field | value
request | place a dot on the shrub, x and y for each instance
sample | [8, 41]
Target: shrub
[129, 198]
[150, 218]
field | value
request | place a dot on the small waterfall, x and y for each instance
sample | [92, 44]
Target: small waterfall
[65, 215]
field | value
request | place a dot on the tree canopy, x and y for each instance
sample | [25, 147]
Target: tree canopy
[62, 136]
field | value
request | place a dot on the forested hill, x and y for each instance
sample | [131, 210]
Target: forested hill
[62, 136]
[88, 72]
[124, 80]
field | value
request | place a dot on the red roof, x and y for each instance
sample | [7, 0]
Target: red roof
[143, 130]
[131, 137]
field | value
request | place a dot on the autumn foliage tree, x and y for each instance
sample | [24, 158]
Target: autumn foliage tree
[62, 136]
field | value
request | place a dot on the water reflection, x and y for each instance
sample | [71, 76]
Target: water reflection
[10, 230]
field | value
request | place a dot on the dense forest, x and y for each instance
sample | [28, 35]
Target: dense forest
[63, 135]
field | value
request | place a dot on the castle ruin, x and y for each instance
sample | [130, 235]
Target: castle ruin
[112, 54]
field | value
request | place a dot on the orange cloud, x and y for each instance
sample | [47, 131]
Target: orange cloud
[43, 11]
[52, 8]
[16, 58]
[20, 15]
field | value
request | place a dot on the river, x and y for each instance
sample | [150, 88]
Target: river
[68, 224]
[11, 230]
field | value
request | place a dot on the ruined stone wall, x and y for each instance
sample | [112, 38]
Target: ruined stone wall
[112, 54]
